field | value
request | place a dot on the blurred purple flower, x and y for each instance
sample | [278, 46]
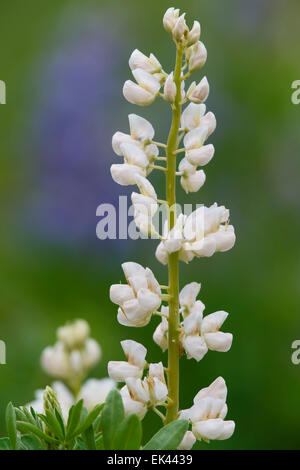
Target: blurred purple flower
[77, 86]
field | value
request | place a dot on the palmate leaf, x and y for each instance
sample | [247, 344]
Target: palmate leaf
[89, 438]
[5, 443]
[74, 419]
[30, 428]
[169, 437]
[129, 434]
[112, 416]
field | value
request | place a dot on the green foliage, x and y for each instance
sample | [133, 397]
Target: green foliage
[104, 428]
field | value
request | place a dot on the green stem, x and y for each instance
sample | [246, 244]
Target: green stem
[173, 349]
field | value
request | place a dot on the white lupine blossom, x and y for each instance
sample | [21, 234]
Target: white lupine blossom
[136, 149]
[208, 413]
[138, 60]
[74, 335]
[144, 91]
[204, 232]
[139, 299]
[145, 206]
[200, 234]
[198, 93]
[134, 367]
[94, 391]
[196, 56]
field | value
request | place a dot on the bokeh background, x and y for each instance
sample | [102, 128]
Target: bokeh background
[64, 63]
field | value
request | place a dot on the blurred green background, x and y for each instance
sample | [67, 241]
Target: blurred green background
[64, 63]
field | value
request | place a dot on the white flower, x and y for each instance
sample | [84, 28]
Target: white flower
[138, 60]
[131, 405]
[215, 339]
[170, 89]
[196, 55]
[137, 150]
[145, 206]
[158, 390]
[180, 28]
[139, 299]
[192, 115]
[191, 179]
[198, 93]
[145, 91]
[194, 34]
[90, 354]
[196, 137]
[170, 18]
[94, 392]
[160, 335]
[74, 334]
[187, 442]
[135, 353]
[188, 296]
[208, 413]
[54, 361]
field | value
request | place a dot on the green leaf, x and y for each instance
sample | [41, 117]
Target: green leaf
[32, 442]
[80, 444]
[129, 434]
[168, 437]
[61, 422]
[89, 438]
[89, 420]
[54, 425]
[5, 443]
[112, 416]
[28, 427]
[99, 442]
[74, 419]
[10, 416]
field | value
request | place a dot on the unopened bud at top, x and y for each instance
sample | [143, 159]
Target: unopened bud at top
[194, 35]
[180, 28]
[50, 400]
[74, 335]
[198, 93]
[170, 18]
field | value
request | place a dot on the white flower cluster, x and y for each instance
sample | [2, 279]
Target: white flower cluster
[73, 354]
[203, 233]
[139, 298]
[70, 359]
[139, 393]
[207, 415]
[198, 334]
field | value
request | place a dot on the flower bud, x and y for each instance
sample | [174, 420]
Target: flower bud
[194, 35]
[124, 174]
[180, 28]
[200, 156]
[74, 335]
[50, 400]
[198, 94]
[197, 55]
[170, 18]
[170, 89]
[138, 60]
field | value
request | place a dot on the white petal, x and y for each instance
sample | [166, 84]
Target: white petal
[200, 156]
[198, 56]
[131, 406]
[196, 137]
[138, 282]
[157, 370]
[218, 341]
[208, 430]
[209, 120]
[188, 294]
[158, 390]
[138, 389]
[170, 89]
[135, 352]
[91, 353]
[94, 392]
[195, 347]
[147, 81]
[121, 370]
[194, 34]
[131, 269]
[135, 313]
[187, 442]
[170, 18]
[225, 238]
[140, 128]
[148, 300]
[135, 94]
[213, 322]
[192, 323]
[120, 293]
[192, 183]
[228, 430]
[192, 115]
[199, 93]
[125, 174]
[160, 335]
[217, 389]
[118, 139]
[162, 254]
[140, 60]
[134, 155]
[153, 284]
[146, 187]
